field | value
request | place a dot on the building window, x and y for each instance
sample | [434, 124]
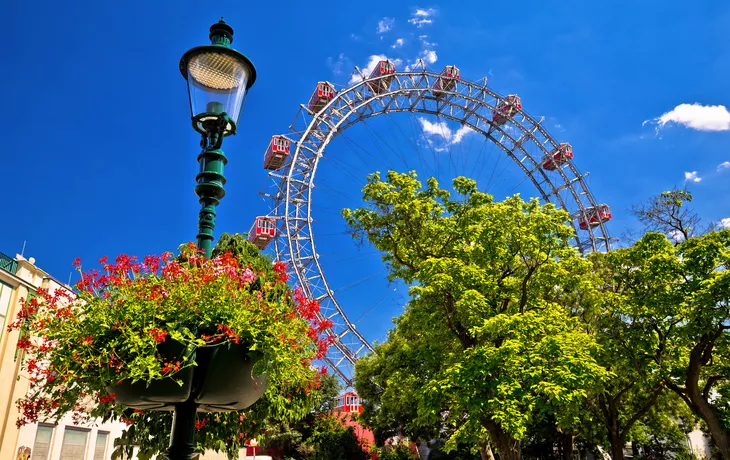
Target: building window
[5, 293]
[42, 444]
[74, 444]
[100, 446]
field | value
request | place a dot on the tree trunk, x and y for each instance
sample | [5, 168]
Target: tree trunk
[719, 434]
[696, 399]
[485, 450]
[566, 445]
[617, 445]
[506, 446]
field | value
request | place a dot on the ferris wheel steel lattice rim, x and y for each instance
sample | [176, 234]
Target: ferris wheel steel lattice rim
[468, 103]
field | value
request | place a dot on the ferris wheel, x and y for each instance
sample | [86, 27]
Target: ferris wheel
[490, 120]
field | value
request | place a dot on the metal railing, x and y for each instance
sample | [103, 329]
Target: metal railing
[7, 263]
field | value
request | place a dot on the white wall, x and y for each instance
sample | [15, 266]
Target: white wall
[27, 434]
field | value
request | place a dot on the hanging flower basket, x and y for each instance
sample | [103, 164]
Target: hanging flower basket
[147, 335]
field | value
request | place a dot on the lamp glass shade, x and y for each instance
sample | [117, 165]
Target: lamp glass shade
[217, 82]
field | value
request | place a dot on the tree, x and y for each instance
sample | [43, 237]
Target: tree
[666, 213]
[484, 274]
[679, 295]
[390, 381]
[293, 439]
[626, 350]
[333, 440]
[663, 432]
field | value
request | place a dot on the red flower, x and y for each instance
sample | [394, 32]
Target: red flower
[199, 424]
[107, 398]
[157, 334]
[280, 269]
[77, 262]
[24, 343]
[88, 340]
[170, 367]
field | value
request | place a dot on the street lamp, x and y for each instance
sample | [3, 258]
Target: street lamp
[218, 78]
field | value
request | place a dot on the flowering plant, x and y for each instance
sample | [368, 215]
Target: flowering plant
[110, 331]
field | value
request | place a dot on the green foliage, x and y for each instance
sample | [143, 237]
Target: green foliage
[663, 432]
[486, 311]
[333, 440]
[677, 300]
[112, 329]
[389, 382]
[294, 439]
[397, 452]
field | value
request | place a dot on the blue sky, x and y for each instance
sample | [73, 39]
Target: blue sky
[99, 156]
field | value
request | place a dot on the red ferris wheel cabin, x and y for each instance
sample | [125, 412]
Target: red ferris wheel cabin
[323, 93]
[262, 232]
[447, 81]
[384, 69]
[276, 153]
[594, 216]
[349, 402]
[558, 157]
[506, 108]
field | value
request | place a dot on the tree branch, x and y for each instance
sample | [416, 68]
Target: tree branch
[525, 280]
[710, 382]
[680, 391]
[649, 404]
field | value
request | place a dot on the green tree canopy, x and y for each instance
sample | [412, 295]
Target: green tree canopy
[679, 297]
[486, 282]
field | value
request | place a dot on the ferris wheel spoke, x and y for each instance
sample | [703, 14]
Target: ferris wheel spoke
[360, 281]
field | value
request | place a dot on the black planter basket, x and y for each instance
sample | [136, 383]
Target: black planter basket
[222, 381]
[229, 383]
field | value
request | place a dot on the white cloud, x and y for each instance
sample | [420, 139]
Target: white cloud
[385, 25]
[412, 66]
[338, 65]
[398, 43]
[696, 116]
[422, 17]
[692, 176]
[725, 223]
[435, 129]
[441, 129]
[429, 56]
[420, 22]
[424, 13]
[723, 165]
[372, 62]
[676, 235]
[426, 43]
[460, 133]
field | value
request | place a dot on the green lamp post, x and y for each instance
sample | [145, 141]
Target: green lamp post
[218, 78]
